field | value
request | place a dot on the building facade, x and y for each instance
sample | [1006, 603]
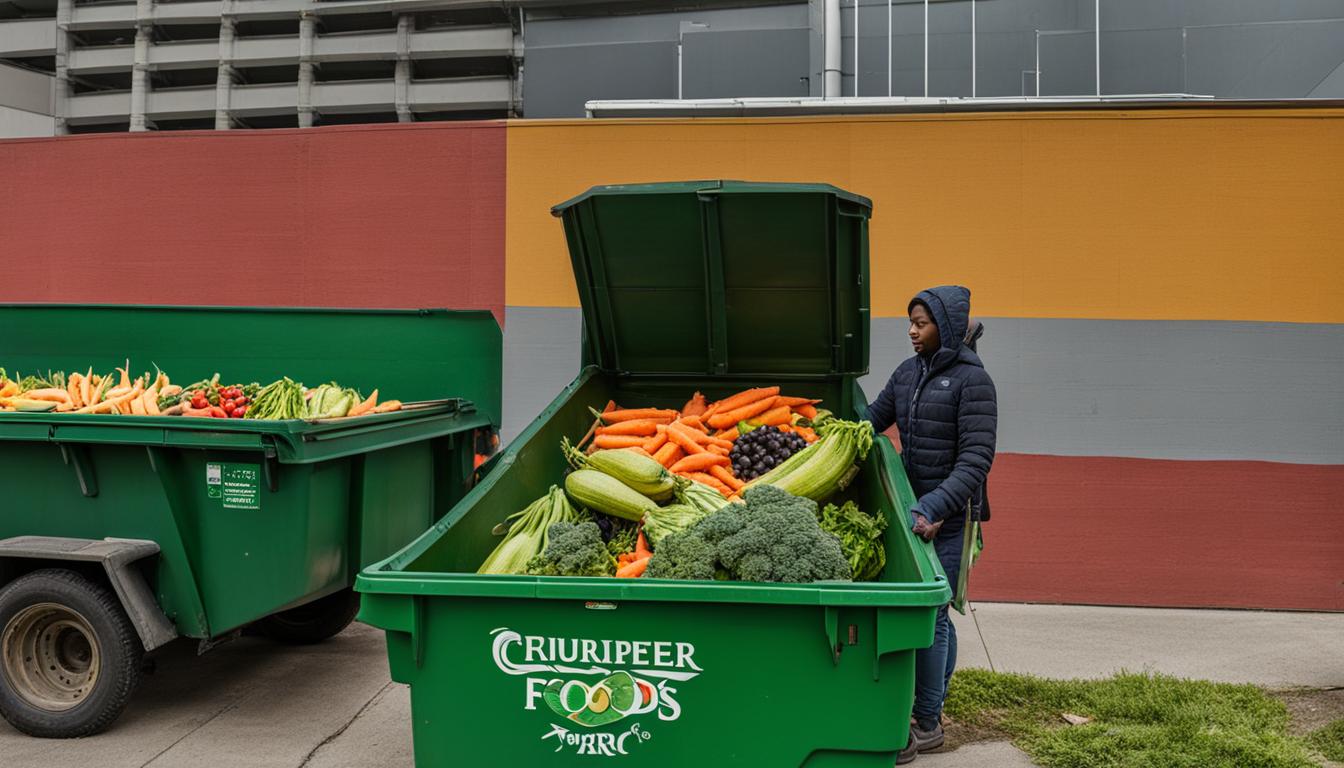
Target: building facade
[70, 66]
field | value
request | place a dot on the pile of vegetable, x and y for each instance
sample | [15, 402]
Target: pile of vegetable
[154, 394]
[713, 491]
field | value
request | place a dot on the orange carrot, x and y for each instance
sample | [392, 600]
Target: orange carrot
[694, 407]
[684, 437]
[726, 477]
[794, 402]
[657, 441]
[634, 570]
[694, 423]
[642, 546]
[632, 414]
[719, 449]
[710, 411]
[699, 461]
[711, 481]
[806, 411]
[730, 434]
[669, 453]
[638, 449]
[618, 441]
[775, 416]
[641, 427]
[785, 427]
[725, 419]
[746, 397]
[809, 434]
[625, 558]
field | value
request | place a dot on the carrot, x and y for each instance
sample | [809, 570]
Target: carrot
[669, 453]
[642, 546]
[711, 481]
[72, 388]
[112, 404]
[684, 437]
[809, 434]
[806, 411]
[137, 405]
[365, 407]
[151, 400]
[726, 477]
[632, 414]
[634, 570]
[719, 449]
[746, 397]
[725, 419]
[775, 416]
[731, 434]
[618, 441]
[641, 427]
[625, 558]
[694, 423]
[657, 441]
[785, 427]
[794, 402]
[694, 407]
[710, 411]
[637, 449]
[52, 395]
[86, 387]
[699, 461]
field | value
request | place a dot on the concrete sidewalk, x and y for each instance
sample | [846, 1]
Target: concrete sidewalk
[255, 704]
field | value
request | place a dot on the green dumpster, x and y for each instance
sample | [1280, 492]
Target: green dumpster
[134, 530]
[714, 286]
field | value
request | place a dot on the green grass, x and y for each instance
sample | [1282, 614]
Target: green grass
[1138, 721]
[1329, 741]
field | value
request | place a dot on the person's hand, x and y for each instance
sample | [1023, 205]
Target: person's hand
[924, 529]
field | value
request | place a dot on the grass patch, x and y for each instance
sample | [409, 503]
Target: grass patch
[1138, 721]
[1329, 741]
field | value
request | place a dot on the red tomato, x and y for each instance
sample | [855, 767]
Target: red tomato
[240, 412]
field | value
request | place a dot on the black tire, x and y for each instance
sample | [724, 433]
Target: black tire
[69, 657]
[312, 622]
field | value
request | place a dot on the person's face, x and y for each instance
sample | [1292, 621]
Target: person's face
[923, 331]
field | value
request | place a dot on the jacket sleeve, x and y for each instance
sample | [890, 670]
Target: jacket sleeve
[977, 432]
[882, 411]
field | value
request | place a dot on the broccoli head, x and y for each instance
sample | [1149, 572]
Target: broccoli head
[774, 537]
[575, 549]
[782, 541]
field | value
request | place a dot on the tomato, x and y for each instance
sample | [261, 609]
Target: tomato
[240, 400]
[240, 412]
[228, 408]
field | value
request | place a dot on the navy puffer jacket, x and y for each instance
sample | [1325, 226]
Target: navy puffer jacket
[947, 413]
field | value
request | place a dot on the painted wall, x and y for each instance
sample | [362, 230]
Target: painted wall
[1163, 292]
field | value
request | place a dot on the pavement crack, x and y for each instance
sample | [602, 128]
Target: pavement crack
[373, 700]
[183, 737]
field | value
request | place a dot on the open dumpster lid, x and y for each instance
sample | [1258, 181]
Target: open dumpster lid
[722, 278]
[409, 355]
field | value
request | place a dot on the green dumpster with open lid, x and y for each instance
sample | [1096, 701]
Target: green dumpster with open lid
[120, 533]
[710, 286]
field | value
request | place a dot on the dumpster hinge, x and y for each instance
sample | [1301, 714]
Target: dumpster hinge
[271, 467]
[78, 457]
[831, 620]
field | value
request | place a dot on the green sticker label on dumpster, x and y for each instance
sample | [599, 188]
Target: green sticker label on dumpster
[588, 683]
[237, 486]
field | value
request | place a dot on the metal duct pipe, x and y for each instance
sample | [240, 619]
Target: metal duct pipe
[144, 16]
[306, 32]
[402, 74]
[831, 48]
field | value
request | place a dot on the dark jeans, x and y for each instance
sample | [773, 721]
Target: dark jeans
[934, 665]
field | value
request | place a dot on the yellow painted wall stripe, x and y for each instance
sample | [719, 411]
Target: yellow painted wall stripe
[1186, 214]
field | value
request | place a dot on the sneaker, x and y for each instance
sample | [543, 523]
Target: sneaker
[908, 755]
[925, 740]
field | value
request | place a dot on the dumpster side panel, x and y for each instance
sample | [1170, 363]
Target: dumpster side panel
[395, 495]
[45, 497]
[716, 683]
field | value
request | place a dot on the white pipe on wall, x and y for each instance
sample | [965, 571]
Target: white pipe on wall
[831, 50]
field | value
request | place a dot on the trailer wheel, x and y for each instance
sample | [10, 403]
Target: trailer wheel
[69, 656]
[313, 622]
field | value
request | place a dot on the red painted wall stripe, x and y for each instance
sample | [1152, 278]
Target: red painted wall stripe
[1225, 534]
[366, 216]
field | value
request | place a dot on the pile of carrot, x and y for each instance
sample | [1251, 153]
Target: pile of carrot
[631, 565]
[695, 442]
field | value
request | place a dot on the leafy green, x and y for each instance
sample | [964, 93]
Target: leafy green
[860, 536]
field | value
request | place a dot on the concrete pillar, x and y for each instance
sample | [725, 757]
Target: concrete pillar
[144, 30]
[60, 102]
[307, 30]
[405, 23]
[224, 80]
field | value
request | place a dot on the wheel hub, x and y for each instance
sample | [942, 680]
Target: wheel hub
[50, 655]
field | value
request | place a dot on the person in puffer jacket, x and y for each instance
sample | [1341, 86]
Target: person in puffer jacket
[943, 404]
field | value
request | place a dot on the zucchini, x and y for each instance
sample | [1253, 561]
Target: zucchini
[640, 473]
[604, 493]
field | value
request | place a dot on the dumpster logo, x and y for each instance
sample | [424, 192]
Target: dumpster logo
[594, 683]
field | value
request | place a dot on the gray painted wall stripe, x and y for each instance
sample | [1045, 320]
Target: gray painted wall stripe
[1143, 389]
